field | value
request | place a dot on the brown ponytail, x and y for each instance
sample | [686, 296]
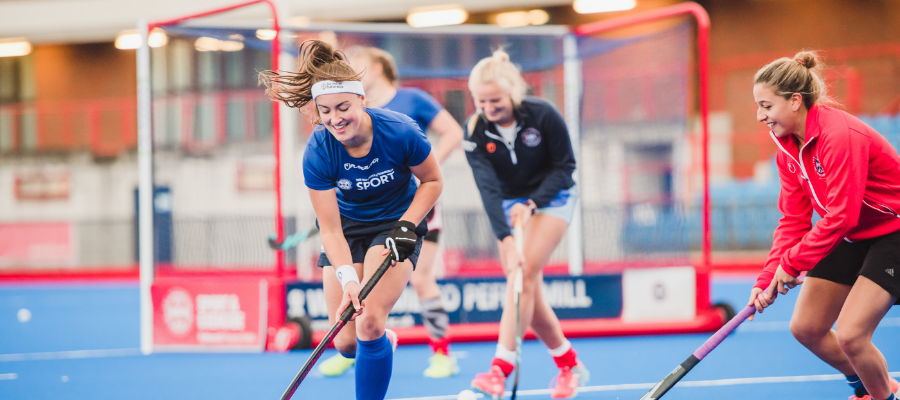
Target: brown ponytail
[318, 61]
[801, 74]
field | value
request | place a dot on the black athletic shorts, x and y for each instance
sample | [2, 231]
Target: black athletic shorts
[877, 259]
[363, 235]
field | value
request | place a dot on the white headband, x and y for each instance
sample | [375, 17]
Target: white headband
[329, 87]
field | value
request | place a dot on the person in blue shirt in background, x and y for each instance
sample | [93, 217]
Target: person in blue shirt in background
[380, 83]
[359, 165]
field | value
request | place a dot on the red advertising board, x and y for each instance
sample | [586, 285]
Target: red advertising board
[209, 314]
[37, 244]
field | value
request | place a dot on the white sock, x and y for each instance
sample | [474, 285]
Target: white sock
[505, 355]
[561, 349]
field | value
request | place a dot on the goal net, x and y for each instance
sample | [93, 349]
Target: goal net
[225, 180]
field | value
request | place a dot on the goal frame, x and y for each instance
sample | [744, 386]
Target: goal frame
[145, 156]
[701, 17]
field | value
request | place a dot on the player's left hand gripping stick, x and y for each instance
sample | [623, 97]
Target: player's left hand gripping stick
[664, 385]
[345, 317]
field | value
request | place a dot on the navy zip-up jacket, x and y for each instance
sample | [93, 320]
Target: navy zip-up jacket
[537, 165]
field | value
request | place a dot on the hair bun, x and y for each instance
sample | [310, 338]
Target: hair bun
[501, 55]
[808, 59]
[318, 52]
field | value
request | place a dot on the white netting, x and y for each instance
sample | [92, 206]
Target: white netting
[639, 166]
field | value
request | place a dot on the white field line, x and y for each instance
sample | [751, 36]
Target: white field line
[64, 355]
[9, 377]
[647, 386]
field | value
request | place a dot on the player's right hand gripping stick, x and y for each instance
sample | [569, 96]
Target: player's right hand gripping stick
[402, 240]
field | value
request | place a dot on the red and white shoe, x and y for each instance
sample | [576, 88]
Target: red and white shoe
[565, 385]
[491, 384]
[895, 388]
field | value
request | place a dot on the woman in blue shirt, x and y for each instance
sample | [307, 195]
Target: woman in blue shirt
[359, 165]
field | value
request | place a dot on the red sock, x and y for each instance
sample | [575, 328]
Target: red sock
[569, 359]
[441, 345]
[505, 366]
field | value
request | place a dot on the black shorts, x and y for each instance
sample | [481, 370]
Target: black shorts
[363, 235]
[877, 259]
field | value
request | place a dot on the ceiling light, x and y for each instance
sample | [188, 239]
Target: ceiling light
[598, 6]
[207, 44]
[265, 34]
[130, 39]
[538, 17]
[522, 18]
[157, 38]
[436, 16]
[229, 45]
[513, 18]
[213, 44]
[14, 47]
[300, 21]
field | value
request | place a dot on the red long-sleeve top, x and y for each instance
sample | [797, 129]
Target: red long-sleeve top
[848, 173]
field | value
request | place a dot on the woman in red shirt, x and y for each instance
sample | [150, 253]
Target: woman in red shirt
[831, 162]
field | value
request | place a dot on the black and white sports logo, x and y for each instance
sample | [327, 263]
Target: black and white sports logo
[348, 166]
[344, 184]
[890, 271]
[819, 169]
[531, 137]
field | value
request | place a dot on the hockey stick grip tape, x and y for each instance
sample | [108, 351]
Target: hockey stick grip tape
[723, 332]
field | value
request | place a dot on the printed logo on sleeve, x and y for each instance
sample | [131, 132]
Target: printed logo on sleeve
[531, 137]
[468, 145]
[819, 169]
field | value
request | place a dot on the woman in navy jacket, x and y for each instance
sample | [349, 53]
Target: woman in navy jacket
[522, 160]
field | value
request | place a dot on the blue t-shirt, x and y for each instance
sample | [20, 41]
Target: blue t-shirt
[415, 103]
[378, 186]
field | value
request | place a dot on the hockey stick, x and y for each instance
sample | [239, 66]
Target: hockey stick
[345, 317]
[664, 385]
[519, 237]
[293, 240]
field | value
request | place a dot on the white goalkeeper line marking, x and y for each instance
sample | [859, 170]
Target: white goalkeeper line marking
[636, 386]
[773, 326]
[64, 355]
[9, 377]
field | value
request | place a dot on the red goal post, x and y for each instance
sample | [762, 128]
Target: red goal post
[145, 155]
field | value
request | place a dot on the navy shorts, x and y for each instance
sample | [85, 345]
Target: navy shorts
[877, 259]
[362, 235]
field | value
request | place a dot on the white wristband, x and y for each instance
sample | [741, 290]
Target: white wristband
[346, 274]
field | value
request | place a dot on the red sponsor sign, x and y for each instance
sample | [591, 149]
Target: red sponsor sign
[209, 314]
[41, 244]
